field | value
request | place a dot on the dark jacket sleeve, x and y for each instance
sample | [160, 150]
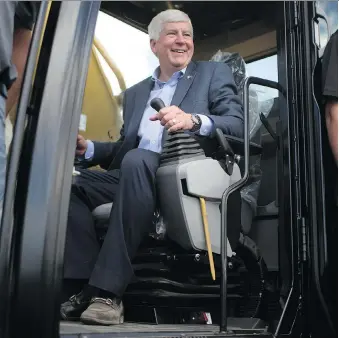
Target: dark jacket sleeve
[26, 14]
[104, 152]
[224, 102]
[7, 12]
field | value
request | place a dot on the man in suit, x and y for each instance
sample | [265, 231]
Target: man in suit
[199, 97]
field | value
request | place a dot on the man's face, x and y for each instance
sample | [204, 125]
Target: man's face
[174, 47]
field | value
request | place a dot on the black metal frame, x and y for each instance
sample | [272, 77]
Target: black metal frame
[290, 189]
[249, 81]
[44, 180]
[301, 170]
[8, 228]
[288, 174]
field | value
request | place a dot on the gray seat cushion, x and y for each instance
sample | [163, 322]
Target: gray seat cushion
[102, 212]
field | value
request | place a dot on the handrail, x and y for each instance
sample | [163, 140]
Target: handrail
[223, 282]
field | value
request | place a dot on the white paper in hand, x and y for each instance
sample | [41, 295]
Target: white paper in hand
[75, 172]
[83, 122]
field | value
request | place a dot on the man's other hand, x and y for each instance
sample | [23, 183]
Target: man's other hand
[173, 119]
[81, 146]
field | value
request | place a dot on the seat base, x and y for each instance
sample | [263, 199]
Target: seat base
[102, 212]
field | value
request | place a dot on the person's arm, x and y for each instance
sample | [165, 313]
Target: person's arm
[101, 153]
[90, 153]
[226, 110]
[24, 20]
[21, 42]
[330, 91]
[104, 152]
[331, 116]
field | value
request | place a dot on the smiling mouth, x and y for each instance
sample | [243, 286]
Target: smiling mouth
[179, 51]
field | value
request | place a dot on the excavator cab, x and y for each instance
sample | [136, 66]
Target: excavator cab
[239, 243]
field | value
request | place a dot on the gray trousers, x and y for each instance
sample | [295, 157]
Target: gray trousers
[132, 190]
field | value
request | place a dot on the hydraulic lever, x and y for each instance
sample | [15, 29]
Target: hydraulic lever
[158, 104]
[230, 157]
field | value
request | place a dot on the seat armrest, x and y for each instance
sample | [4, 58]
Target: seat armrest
[102, 212]
[213, 149]
[237, 145]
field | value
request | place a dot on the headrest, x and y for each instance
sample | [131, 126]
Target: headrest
[236, 63]
[257, 103]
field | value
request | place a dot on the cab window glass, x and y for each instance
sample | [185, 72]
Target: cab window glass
[120, 58]
[265, 68]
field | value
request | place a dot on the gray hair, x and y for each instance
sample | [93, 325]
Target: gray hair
[169, 15]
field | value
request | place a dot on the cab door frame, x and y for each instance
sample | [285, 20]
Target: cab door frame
[309, 252]
[44, 175]
[316, 227]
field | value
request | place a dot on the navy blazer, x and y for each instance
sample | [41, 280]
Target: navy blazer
[206, 88]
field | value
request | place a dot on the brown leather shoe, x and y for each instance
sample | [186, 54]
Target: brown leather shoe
[103, 312]
[74, 307]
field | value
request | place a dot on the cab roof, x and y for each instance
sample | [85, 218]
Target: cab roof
[208, 18]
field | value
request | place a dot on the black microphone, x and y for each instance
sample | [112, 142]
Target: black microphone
[157, 104]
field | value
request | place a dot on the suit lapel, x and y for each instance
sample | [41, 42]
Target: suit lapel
[184, 85]
[141, 98]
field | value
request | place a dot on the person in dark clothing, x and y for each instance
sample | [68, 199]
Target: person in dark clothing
[329, 277]
[330, 91]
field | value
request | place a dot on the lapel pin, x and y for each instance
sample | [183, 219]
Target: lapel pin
[189, 76]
